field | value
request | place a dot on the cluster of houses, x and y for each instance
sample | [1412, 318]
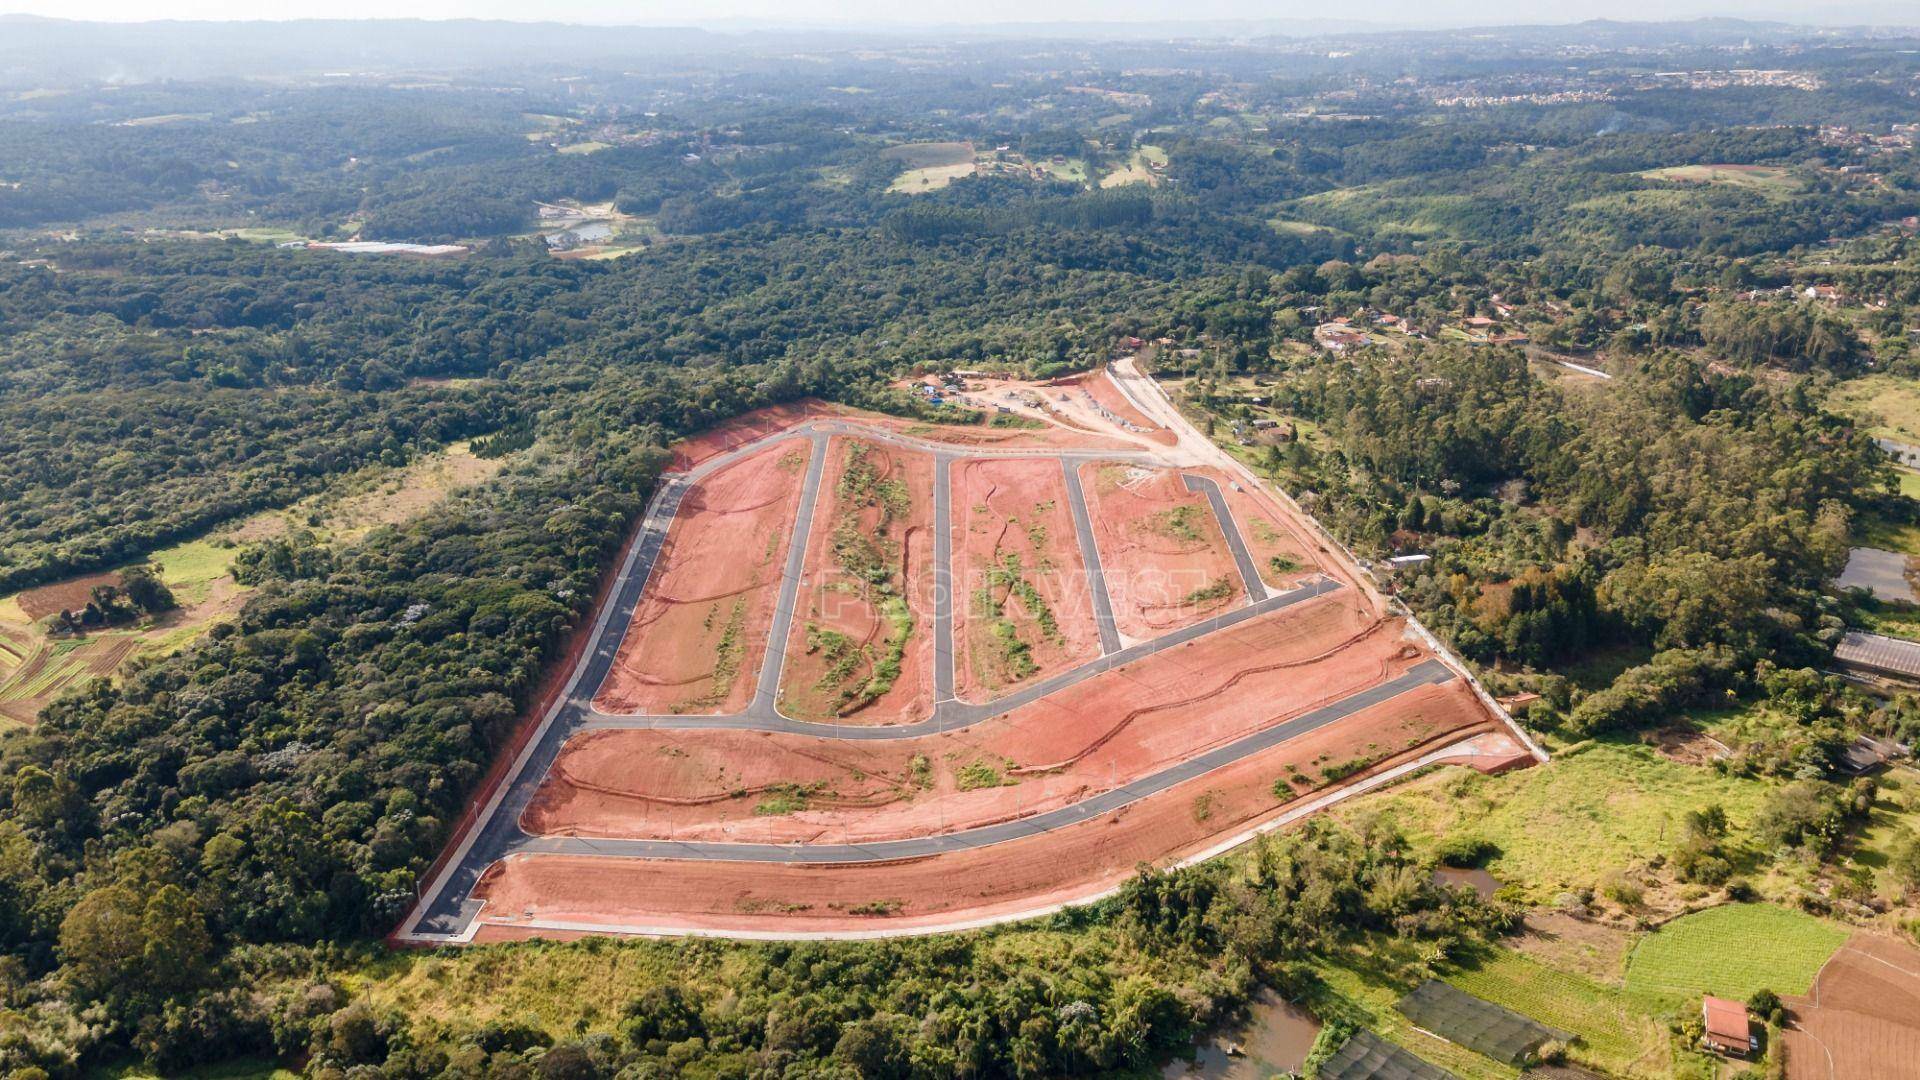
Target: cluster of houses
[1899, 137]
[1351, 332]
[936, 390]
[1828, 293]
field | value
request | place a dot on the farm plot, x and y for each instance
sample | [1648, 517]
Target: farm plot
[1022, 605]
[929, 166]
[1861, 1019]
[700, 631]
[1166, 561]
[1733, 950]
[1147, 716]
[990, 882]
[862, 646]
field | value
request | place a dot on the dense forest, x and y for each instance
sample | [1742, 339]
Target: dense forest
[192, 852]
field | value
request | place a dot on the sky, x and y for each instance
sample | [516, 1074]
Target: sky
[922, 12]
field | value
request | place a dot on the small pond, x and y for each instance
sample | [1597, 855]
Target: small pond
[1275, 1039]
[1476, 879]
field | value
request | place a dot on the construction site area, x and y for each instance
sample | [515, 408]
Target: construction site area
[858, 675]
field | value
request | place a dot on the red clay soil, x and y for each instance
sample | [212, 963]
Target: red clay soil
[987, 437]
[1097, 386]
[1861, 1021]
[1166, 563]
[71, 595]
[774, 419]
[1270, 532]
[699, 634]
[1003, 879]
[748, 427]
[842, 634]
[1013, 531]
[1148, 716]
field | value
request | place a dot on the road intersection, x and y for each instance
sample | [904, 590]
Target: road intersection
[447, 908]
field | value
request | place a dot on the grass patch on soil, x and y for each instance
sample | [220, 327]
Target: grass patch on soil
[1767, 179]
[1177, 523]
[979, 774]
[1732, 951]
[1620, 1032]
[1888, 406]
[1596, 806]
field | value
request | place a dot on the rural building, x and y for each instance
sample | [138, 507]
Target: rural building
[1904, 453]
[1728, 1030]
[1878, 656]
[1339, 337]
[1518, 704]
[1867, 754]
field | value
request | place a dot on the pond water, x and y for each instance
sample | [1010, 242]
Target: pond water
[1476, 879]
[1275, 1040]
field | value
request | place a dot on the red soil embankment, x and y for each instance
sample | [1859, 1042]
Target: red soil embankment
[996, 881]
[699, 633]
[1140, 719]
[1013, 532]
[1165, 560]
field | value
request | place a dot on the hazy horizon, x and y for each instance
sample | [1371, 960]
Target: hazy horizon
[1384, 14]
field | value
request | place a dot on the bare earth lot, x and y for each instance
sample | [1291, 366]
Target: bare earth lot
[975, 672]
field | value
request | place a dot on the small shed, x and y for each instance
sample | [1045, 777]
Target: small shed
[1866, 754]
[1728, 1029]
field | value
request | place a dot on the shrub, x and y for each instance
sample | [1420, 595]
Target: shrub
[1467, 851]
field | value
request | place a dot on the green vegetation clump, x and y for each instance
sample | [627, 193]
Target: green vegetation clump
[1178, 523]
[979, 774]
[1219, 589]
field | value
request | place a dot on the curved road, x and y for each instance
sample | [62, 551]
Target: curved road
[446, 909]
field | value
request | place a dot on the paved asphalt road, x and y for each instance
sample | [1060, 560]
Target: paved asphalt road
[1425, 673]
[449, 907]
[1090, 554]
[1249, 573]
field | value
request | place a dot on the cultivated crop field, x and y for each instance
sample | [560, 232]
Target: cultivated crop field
[861, 675]
[1733, 950]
